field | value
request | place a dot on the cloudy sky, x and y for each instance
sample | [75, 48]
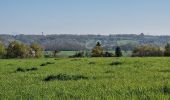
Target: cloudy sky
[85, 16]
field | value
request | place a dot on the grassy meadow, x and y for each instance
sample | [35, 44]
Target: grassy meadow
[85, 78]
[66, 53]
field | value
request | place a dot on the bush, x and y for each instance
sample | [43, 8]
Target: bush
[92, 63]
[32, 69]
[47, 63]
[64, 77]
[36, 50]
[116, 63]
[17, 50]
[20, 70]
[108, 54]
[166, 89]
[28, 69]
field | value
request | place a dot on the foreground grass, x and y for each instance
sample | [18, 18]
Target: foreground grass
[101, 78]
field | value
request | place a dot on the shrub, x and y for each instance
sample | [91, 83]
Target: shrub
[92, 63]
[116, 63]
[47, 63]
[166, 89]
[36, 50]
[64, 77]
[20, 70]
[32, 69]
[28, 69]
[17, 50]
[44, 64]
[108, 54]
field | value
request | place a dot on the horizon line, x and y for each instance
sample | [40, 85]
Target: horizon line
[42, 34]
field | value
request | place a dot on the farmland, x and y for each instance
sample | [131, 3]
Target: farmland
[85, 78]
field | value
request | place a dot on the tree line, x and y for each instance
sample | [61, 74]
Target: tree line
[87, 42]
[139, 51]
[151, 51]
[17, 49]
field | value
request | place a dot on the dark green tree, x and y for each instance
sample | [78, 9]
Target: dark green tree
[118, 52]
[167, 50]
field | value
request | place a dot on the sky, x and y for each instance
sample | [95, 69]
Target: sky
[105, 17]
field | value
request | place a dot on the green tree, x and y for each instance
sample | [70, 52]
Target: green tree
[2, 50]
[97, 51]
[17, 50]
[36, 50]
[24, 51]
[167, 50]
[118, 52]
[147, 50]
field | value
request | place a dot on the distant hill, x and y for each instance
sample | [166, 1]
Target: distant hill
[84, 42]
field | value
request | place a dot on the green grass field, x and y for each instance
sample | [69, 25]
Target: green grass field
[85, 78]
[66, 53]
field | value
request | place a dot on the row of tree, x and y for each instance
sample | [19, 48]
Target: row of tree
[86, 42]
[98, 51]
[149, 50]
[139, 51]
[17, 49]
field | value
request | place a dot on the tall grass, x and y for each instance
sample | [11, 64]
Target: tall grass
[132, 78]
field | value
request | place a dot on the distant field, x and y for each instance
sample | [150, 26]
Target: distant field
[62, 53]
[70, 53]
[85, 78]
[66, 53]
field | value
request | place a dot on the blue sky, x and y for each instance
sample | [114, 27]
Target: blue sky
[85, 16]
